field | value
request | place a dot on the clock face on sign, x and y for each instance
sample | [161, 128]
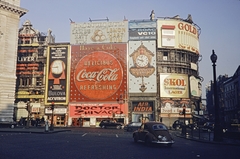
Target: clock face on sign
[142, 60]
[57, 67]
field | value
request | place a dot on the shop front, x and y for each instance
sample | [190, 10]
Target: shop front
[59, 116]
[90, 115]
[143, 111]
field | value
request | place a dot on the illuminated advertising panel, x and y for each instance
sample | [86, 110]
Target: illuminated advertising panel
[97, 110]
[57, 74]
[195, 87]
[142, 30]
[142, 111]
[98, 72]
[174, 86]
[99, 32]
[177, 34]
[142, 67]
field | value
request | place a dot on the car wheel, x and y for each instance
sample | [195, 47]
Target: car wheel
[135, 138]
[148, 141]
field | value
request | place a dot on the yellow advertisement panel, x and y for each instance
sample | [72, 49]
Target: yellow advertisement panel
[173, 33]
[174, 86]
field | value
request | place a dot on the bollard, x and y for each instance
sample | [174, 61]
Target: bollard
[46, 126]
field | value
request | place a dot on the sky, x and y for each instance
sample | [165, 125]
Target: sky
[219, 21]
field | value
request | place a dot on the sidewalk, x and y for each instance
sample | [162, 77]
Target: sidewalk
[36, 130]
[226, 141]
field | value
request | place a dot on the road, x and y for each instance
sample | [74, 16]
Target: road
[96, 143]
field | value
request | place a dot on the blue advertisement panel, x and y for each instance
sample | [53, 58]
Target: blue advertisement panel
[142, 30]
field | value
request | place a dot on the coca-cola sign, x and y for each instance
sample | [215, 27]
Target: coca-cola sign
[98, 75]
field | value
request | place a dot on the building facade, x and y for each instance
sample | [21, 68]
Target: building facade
[10, 13]
[228, 100]
[30, 71]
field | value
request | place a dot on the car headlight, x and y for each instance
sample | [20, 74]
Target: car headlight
[163, 138]
[160, 137]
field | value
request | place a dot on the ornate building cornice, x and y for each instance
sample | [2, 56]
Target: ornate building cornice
[12, 8]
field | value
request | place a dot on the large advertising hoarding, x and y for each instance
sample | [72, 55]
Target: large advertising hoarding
[99, 32]
[98, 72]
[195, 86]
[174, 86]
[57, 74]
[142, 67]
[142, 30]
[177, 34]
[97, 110]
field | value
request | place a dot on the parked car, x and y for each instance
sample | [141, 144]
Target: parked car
[208, 126]
[153, 133]
[111, 124]
[177, 124]
[4, 124]
[132, 126]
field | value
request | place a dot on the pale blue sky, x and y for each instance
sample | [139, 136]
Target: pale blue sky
[219, 21]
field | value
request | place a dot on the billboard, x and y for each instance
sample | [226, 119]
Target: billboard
[99, 32]
[57, 74]
[142, 67]
[174, 85]
[97, 110]
[195, 86]
[177, 34]
[98, 72]
[142, 30]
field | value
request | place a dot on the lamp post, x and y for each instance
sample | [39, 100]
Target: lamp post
[52, 108]
[217, 127]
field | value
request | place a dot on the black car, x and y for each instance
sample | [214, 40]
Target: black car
[208, 126]
[177, 124]
[132, 126]
[153, 133]
[8, 124]
[111, 124]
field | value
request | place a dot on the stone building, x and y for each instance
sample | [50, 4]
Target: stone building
[10, 13]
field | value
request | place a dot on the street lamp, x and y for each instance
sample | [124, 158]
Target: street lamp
[217, 127]
[52, 108]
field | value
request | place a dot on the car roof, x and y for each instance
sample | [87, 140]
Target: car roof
[151, 123]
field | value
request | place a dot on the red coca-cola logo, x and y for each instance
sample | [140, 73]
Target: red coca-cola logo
[98, 75]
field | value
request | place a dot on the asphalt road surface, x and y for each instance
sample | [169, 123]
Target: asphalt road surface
[104, 144]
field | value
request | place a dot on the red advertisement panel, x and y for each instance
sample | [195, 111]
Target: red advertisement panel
[98, 72]
[96, 110]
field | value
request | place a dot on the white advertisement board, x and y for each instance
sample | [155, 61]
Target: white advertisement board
[98, 32]
[177, 34]
[142, 67]
[174, 85]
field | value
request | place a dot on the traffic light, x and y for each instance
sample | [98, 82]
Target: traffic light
[52, 106]
[184, 110]
[28, 107]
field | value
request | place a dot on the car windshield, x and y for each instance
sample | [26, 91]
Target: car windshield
[159, 127]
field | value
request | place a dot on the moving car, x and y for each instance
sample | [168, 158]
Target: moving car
[132, 126]
[111, 124]
[153, 133]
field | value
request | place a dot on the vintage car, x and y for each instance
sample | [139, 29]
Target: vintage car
[132, 126]
[153, 133]
[111, 124]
